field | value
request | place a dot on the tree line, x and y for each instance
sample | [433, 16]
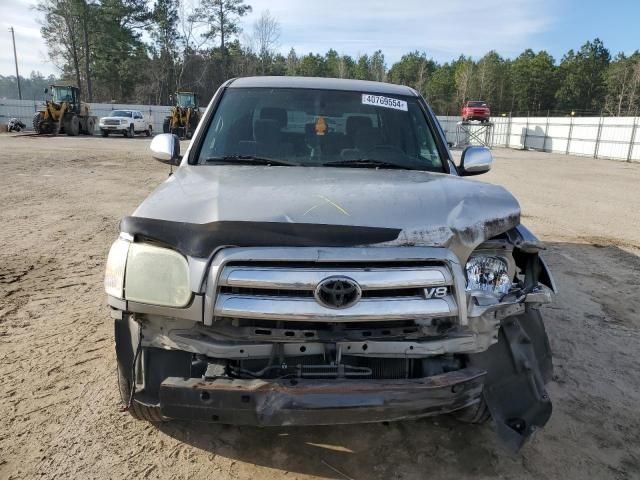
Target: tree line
[133, 51]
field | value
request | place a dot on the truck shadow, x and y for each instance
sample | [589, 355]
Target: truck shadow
[593, 332]
[347, 451]
[536, 139]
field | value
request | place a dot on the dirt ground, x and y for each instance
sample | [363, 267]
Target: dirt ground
[60, 414]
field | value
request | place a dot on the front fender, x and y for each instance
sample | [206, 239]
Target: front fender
[518, 367]
[527, 253]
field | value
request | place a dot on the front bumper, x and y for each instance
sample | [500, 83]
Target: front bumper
[318, 402]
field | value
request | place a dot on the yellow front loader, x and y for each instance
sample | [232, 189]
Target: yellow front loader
[184, 116]
[64, 113]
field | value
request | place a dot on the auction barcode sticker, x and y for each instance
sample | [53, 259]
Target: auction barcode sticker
[386, 102]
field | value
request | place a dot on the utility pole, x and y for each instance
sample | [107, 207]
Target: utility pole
[15, 58]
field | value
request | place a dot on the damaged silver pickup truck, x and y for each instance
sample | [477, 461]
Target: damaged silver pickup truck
[318, 258]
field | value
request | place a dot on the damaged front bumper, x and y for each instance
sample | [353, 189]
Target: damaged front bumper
[258, 348]
[318, 402]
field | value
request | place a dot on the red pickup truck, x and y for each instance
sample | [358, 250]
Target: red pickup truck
[475, 110]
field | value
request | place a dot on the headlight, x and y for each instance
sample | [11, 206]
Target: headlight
[156, 275]
[147, 274]
[123, 122]
[114, 274]
[488, 273]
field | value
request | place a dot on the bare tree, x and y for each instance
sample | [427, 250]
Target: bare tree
[190, 38]
[292, 62]
[61, 29]
[266, 33]
[84, 14]
[623, 85]
[343, 67]
[634, 93]
[463, 79]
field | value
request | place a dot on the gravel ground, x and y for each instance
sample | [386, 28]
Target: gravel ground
[60, 414]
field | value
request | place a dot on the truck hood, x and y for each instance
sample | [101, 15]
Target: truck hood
[426, 209]
[116, 118]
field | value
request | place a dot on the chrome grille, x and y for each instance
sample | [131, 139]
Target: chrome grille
[111, 122]
[283, 292]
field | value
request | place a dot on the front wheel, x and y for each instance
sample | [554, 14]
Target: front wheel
[37, 120]
[129, 132]
[138, 410]
[91, 126]
[477, 414]
[72, 126]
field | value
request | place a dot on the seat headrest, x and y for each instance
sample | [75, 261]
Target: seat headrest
[274, 113]
[266, 130]
[367, 138]
[356, 123]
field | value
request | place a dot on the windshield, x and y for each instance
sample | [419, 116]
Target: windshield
[308, 127]
[476, 104]
[62, 94]
[120, 113]
[186, 100]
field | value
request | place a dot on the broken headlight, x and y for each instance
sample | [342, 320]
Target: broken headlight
[488, 273]
[145, 273]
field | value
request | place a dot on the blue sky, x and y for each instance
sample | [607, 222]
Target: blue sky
[443, 29]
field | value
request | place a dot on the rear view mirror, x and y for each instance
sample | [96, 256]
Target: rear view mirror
[166, 148]
[475, 161]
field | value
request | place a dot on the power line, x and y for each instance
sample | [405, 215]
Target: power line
[15, 58]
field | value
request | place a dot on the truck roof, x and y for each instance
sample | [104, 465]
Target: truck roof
[322, 83]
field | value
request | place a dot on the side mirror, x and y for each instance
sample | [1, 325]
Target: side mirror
[166, 148]
[46, 90]
[475, 161]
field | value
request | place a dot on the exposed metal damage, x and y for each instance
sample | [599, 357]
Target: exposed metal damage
[307, 369]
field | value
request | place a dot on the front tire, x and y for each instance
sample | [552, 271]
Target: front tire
[91, 126]
[476, 414]
[37, 120]
[72, 126]
[137, 410]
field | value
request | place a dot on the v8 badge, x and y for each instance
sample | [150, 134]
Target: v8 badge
[435, 292]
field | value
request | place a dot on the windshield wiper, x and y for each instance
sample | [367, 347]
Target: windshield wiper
[366, 163]
[247, 160]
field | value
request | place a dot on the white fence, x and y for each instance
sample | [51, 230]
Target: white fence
[598, 137]
[605, 137]
[26, 109]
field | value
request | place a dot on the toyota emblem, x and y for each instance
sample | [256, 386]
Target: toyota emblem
[338, 292]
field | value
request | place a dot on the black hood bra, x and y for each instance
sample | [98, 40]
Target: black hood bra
[200, 240]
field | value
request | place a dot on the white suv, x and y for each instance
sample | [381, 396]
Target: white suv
[127, 122]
